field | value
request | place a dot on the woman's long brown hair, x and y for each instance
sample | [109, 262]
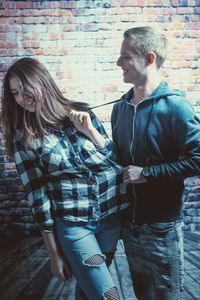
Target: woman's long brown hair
[51, 106]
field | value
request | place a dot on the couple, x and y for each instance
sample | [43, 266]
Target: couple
[81, 186]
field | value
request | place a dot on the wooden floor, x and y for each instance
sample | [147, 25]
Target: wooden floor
[25, 272]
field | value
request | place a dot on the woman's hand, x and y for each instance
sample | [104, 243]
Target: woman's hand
[60, 268]
[82, 121]
[59, 265]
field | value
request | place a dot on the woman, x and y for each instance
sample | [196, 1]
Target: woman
[74, 187]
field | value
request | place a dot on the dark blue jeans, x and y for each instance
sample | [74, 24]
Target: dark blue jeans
[155, 256]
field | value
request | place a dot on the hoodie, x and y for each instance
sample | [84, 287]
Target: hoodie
[161, 132]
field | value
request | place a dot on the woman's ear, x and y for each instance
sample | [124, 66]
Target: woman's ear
[151, 58]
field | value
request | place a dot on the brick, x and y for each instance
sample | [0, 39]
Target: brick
[69, 4]
[132, 3]
[3, 52]
[192, 25]
[160, 11]
[55, 36]
[191, 212]
[35, 20]
[61, 75]
[2, 44]
[24, 12]
[88, 27]
[183, 3]
[38, 51]
[6, 28]
[197, 10]
[31, 44]
[11, 44]
[65, 13]
[185, 10]
[10, 5]
[187, 220]
[3, 36]
[23, 4]
[157, 3]
[196, 219]
[174, 26]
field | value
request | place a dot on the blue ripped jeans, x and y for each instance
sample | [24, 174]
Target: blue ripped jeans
[155, 257]
[86, 247]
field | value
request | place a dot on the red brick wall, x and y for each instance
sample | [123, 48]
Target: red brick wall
[79, 42]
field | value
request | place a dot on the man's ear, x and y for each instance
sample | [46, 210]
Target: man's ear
[151, 58]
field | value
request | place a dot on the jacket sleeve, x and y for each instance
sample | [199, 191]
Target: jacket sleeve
[33, 179]
[109, 148]
[185, 127]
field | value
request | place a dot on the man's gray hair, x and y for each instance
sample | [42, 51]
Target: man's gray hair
[149, 39]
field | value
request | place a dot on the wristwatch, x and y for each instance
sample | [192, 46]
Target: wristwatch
[147, 172]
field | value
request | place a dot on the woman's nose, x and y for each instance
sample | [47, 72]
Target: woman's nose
[26, 96]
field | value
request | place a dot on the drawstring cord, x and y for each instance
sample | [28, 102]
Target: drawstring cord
[150, 116]
[111, 102]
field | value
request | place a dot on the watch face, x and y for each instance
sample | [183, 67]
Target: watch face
[146, 172]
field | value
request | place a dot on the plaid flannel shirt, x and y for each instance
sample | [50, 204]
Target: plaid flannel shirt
[67, 176]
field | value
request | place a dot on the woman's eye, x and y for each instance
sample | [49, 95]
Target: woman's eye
[15, 94]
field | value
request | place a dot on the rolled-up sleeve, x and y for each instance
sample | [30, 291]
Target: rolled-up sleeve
[109, 148]
[33, 179]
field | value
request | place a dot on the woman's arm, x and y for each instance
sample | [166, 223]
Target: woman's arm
[59, 266]
[83, 123]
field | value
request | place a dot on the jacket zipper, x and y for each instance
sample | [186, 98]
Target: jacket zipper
[131, 152]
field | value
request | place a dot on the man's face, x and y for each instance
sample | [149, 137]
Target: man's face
[132, 63]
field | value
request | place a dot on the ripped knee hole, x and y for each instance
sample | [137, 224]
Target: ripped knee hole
[112, 294]
[95, 260]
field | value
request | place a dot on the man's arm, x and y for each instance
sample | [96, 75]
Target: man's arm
[185, 127]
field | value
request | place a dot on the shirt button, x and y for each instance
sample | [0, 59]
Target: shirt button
[94, 197]
[92, 180]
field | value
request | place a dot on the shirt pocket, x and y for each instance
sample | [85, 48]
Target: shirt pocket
[58, 158]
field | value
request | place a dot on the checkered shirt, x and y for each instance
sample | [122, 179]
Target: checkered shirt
[67, 176]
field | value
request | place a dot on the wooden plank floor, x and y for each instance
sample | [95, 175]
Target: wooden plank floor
[25, 271]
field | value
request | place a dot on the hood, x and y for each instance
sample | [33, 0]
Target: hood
[161, 91]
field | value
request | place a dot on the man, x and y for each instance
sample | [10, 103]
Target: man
[157, 136]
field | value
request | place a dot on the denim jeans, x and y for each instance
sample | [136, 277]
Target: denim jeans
[155, 256]
[85, 246]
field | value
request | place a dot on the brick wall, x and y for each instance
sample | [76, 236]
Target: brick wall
[79, 42]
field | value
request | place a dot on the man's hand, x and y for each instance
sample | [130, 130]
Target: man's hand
[132, 174]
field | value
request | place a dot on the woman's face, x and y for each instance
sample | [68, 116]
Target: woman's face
[24, 98]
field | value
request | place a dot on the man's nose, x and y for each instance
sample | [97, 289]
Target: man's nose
[119, 62]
